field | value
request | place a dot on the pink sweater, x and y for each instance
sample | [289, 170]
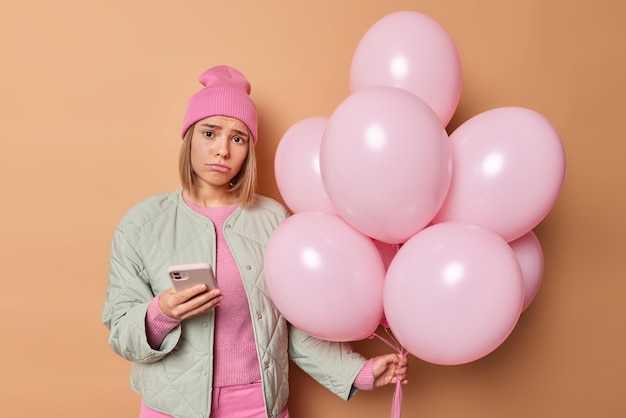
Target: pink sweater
[235, 360]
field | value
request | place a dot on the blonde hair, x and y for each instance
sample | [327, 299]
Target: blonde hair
[243, 184]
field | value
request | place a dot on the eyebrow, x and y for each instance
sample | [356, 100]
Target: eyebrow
[219, 127]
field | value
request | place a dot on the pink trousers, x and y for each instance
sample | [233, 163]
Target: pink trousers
[241, 401]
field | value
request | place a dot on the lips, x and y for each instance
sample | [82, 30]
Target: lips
[219, 167]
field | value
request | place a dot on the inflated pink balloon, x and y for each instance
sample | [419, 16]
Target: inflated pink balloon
[509, 166]
[412, 51]
[297, 167]
[530, 257]
[453, 293]
[325, 277]
[386, 163]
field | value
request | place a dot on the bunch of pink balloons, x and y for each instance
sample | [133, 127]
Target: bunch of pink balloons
[395, 218]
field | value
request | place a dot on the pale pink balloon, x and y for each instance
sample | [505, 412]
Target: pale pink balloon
[412, 51]
[297, 167]
[509, 166]
[453, 293]
[530, 257]
[386, 163]
[325, 277]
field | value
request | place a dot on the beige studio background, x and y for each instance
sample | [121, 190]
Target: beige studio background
[92, 95]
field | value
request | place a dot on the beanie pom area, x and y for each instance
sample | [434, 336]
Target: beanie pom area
[223, 75]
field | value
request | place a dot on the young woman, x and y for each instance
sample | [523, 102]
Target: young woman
[216, 352]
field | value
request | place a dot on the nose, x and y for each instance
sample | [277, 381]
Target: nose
[223, 148]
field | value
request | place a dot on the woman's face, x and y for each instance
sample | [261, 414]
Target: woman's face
[219, 146]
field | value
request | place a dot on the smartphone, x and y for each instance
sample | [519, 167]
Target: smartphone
[186, 275]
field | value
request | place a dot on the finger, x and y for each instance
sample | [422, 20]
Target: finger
[187, 294]
[202, 303]
[211, 298]
[390, 358]
[201, 309]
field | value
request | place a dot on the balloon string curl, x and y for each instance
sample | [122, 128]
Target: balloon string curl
[391, 341]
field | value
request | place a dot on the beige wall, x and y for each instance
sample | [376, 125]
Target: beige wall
[92, 96]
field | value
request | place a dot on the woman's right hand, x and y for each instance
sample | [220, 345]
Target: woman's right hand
[189, 302]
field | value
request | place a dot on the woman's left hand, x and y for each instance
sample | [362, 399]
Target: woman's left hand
[389, 369]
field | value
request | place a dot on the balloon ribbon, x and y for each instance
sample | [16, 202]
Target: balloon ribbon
[396, 405]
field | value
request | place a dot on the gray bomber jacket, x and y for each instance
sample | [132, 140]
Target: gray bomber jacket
[177, 378]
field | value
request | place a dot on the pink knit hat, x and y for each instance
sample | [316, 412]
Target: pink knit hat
[226, 92]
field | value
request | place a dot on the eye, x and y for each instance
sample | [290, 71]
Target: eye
[208, 134]
[239, 140]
